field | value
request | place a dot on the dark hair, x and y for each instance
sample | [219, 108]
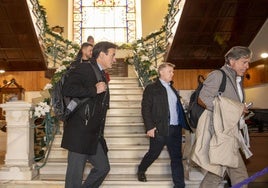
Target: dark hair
[102, 47]
[80, 54]
[90, 37]
[236, 53]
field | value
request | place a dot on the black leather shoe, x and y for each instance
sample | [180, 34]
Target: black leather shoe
[142, 177]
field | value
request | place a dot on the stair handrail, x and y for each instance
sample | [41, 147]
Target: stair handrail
[149, 52]
[45, 126]
[56, 48]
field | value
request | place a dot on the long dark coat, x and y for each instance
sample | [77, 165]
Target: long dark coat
[80, 135]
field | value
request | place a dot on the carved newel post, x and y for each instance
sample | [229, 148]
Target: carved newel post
[19, 158]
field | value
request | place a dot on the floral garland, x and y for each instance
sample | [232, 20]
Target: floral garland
[147, 50]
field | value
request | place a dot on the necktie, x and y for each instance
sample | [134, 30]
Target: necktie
[103, 74]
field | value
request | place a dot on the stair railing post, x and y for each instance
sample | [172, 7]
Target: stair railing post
[19, 158]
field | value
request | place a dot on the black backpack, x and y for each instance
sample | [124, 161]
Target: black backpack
[64, 106]
[195, 110]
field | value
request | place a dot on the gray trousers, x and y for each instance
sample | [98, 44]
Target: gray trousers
[236, 175]
[76, 165]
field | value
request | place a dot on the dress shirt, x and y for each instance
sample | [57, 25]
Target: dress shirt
[240, 93]
[172, 103]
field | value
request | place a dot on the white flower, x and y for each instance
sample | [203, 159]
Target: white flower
[72, 51]
[60, 69]
[67, 58]
[152, 67]
[48, 86]
[144, 58]
[140, 49]
[41, 109]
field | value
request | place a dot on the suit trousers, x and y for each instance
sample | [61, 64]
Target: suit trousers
[76, 165]
[236, 175]
[173, 142]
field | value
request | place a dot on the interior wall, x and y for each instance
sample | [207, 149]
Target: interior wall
[57, 14]
[153, 13]
[257, 95]
[186, 79]
[29, 80]
[257, 84]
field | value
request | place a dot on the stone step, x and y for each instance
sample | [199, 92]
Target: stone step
[123, 84]
[111, 181]
[125, 104]
[124, 87]
[115, 151]
[121, 128]
[125, 128]
[123, 139]
[126, 82]
[123, 124]
[118, 166]
[118, 139]
[126, 180]
[128, 111]
[124, 112]
[125, 97]
[137, 91]
[124, 119]
[123, 78]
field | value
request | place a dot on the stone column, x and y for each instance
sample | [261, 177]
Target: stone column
[19, 160]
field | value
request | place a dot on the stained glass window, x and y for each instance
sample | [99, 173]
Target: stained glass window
[110, 20]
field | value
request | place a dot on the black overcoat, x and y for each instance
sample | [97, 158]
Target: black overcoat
[155, 109]
[80, 135]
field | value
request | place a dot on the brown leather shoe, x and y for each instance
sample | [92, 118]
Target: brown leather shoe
[142, 177]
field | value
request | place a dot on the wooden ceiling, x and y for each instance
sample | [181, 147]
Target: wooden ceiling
[209, 28]
[19, 46]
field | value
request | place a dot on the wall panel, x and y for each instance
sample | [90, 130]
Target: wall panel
[29, 80]
[187, 79]
[258, 74]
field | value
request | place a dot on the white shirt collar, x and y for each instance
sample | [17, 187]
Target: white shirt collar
[100, 67]
[166, 84]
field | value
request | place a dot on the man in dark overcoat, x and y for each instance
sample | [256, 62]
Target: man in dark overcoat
[164, 119]
[83, 134]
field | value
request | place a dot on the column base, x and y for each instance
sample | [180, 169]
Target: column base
[17, 173]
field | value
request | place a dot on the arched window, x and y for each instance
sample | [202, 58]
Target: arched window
[111, 20]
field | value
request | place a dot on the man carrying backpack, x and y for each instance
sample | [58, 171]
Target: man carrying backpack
[84, 129]
[236, 63]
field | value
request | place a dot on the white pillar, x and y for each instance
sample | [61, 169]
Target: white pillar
[20, 142]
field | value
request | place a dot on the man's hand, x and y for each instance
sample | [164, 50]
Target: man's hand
[101, 87]
[151, 132]
[245, 111]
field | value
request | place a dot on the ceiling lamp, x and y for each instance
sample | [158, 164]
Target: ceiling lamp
[264, 55]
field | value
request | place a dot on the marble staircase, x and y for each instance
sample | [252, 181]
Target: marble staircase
[127, 142]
